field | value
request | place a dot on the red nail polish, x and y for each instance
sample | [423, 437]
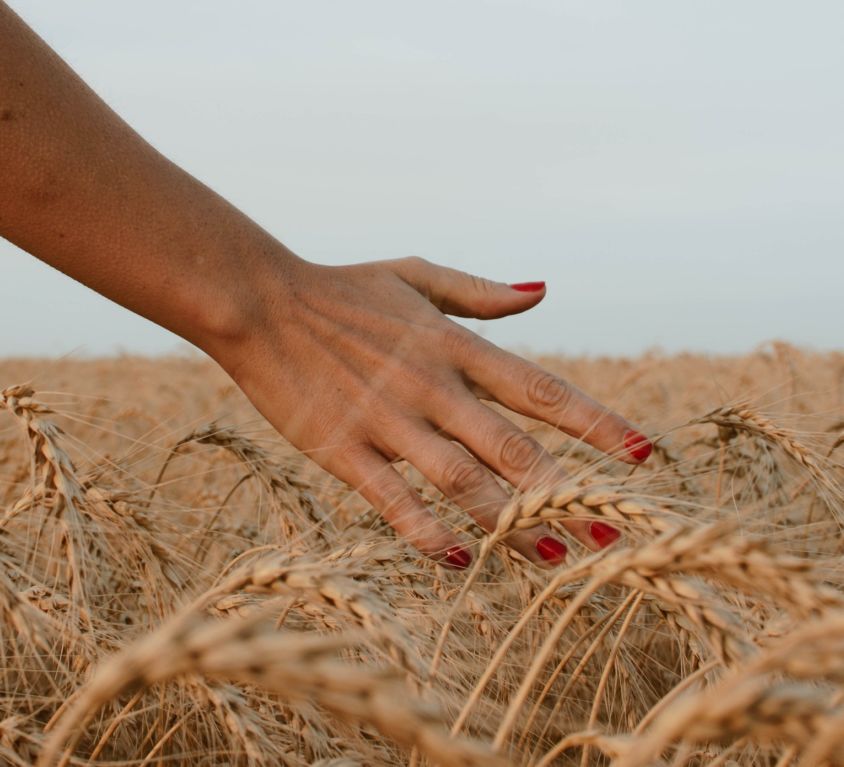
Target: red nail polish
[551, 550]
[528, 287]
[638, 446]
[458, 557]
[603, 534]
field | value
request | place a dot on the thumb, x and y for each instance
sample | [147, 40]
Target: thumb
[465, 295]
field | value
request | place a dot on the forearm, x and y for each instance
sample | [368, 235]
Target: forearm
[80, 190]
[356, 365]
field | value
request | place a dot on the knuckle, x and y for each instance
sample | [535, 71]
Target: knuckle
[479, 285]
[463, 477]
[458, 342]
[415, 262]
[546, 391]
[343, 455]
[399, 503]
[424, 381]
[518, 452]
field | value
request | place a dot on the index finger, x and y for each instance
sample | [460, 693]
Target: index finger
[526, 388]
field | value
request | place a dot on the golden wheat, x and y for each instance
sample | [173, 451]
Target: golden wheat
[178, 586]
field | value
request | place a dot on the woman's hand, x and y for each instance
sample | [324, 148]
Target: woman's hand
[359, 366]
[356, 365]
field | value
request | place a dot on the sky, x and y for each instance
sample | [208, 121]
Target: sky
[673, 170]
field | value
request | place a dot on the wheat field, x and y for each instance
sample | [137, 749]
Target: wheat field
[178, 586]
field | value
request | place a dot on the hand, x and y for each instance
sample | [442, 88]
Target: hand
[355, 365]
[358, 366]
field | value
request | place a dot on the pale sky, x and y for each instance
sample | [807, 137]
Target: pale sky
[673, 170]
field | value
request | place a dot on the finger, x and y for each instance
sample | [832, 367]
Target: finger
[514, 455]
[527, 388]
[460, 477]
[368, 472]
[465, 295]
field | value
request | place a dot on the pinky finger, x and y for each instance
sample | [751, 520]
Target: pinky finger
[369, 472]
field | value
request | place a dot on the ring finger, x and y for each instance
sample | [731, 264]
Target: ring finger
[460, 477]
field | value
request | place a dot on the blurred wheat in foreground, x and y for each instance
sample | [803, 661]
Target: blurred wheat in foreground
[179, 587]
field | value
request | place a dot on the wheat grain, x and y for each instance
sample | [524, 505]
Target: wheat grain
[710, 634]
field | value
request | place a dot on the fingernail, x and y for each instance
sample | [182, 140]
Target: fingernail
[638, 446]
[551, 550]
[528, 287]
[603, 534]
[458, 557]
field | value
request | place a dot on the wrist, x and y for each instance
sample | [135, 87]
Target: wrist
[231, 318]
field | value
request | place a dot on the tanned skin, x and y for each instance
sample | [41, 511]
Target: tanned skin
[356, 365]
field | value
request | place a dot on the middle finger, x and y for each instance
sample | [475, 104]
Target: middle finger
[514, 455]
